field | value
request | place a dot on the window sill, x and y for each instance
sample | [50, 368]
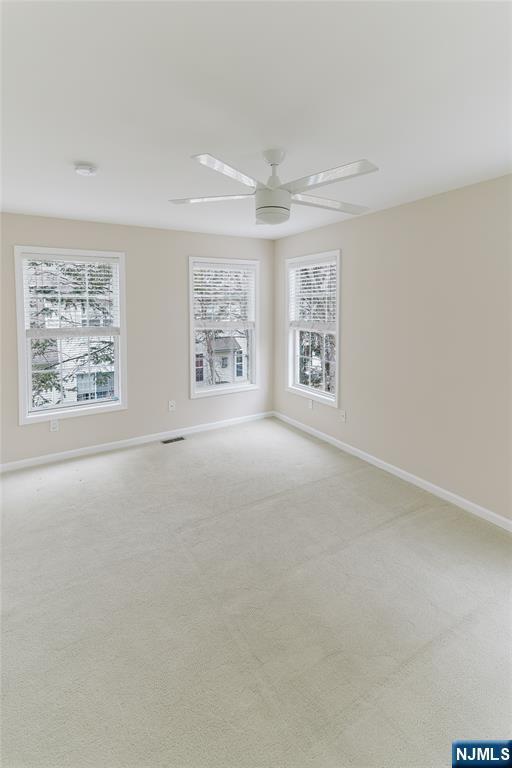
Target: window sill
[72, 411]
[313, 395]
[227, 391]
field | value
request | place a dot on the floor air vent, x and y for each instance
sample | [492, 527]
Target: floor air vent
[172, 440]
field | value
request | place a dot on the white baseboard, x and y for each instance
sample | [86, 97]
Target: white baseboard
[50, 458]
[442, 493]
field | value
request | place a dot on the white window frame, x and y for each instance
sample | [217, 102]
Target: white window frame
[254, 368]
[24, 384]
[291, 354]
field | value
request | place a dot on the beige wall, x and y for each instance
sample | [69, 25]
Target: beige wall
[425, 339]
[158, 341]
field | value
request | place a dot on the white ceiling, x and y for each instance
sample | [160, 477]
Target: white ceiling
[421, 89]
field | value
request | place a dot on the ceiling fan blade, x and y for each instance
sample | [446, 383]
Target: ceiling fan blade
[328, 177]
[215, 199]
[331, 205]
[221, 167]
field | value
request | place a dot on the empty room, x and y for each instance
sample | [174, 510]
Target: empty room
[256, 384]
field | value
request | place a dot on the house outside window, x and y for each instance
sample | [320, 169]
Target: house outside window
[95, 386]
[199, 368]
[312, 326]
[223, 321]
[71, 337]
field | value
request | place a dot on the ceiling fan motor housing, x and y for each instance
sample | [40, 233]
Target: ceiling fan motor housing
[272, 205]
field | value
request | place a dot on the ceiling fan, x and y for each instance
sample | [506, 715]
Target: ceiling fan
[273, 199]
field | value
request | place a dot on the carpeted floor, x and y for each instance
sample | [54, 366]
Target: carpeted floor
[247, 598]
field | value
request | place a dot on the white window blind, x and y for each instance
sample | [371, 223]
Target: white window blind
[224, 296]
[312, 284]
[71, 329]
[312, 296]
[223, 320]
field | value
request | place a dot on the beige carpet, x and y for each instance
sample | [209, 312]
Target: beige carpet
[248, 598]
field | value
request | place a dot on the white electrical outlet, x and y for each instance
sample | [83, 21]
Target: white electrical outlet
[54, 425]
[343, 415]
[310, 405]
[172, 405]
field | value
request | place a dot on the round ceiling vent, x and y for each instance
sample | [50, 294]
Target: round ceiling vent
[85, 169]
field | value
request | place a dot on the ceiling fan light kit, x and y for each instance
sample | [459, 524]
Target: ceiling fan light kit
[272, 205]
[274, 199]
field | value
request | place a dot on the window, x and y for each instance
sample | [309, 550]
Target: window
[223, 296]
[199, 368]
[71, 333]
[239, 363]
[95, 386]
[313, 326]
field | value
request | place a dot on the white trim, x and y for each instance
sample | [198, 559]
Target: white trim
[50, 458]
[442, 493]
[123, 336]
[67, 333]
[316, 258]
[311, 394]
[25, 416]
[225, 325]
[216, 260]
[65, 253]
[255, 361]
[23, 394]
[68, 412]
[191, 339]
[426, 485]
[224, 390]
[290, 329]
